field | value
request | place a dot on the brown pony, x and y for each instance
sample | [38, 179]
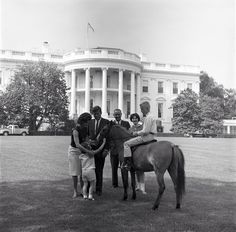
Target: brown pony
[157, 156]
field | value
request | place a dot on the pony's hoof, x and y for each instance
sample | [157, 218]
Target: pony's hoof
[124, 198]
[177, 206]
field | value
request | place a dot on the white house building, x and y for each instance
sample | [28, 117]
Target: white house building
[111, 78]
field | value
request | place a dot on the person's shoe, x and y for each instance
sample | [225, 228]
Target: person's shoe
[91, 198]
[115, 186]
[85, 197]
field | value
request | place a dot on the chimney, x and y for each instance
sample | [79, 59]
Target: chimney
[45, 47]
[143, 57]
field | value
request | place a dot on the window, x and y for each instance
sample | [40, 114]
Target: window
[189, 86]
[108, 107]
[91, 81]
[128, 109]
[232, 130]
[76, 107]
[175, 88]
[145, 86]
[160, 110]
[225, 130]
[91, 105]
[160, 86]
[108, 82]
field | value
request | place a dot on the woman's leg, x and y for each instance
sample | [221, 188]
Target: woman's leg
[75, 184]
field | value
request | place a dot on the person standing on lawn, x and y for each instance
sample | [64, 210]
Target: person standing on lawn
[114, 156]
[95, 126]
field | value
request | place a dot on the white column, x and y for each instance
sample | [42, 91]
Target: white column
[228, 129]
[73, 93]
[138, 94]
[132, 93]
[120, 93]
[87, 90]
[104, 92]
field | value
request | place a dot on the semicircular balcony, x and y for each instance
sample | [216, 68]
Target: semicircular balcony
[101, 54]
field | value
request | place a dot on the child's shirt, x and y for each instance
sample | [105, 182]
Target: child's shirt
[87, 162]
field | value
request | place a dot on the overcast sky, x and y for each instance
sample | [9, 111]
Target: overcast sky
[194, 32]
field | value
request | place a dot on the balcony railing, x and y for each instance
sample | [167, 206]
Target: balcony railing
[101, 54]
[30, 56]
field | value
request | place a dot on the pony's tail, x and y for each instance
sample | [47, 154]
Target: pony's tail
[180, 182]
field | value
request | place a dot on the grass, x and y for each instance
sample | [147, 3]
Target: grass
[35, 191]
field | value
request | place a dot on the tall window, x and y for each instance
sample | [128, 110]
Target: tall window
[224, 129]
[108, 82]
[128, 108]
[160, 87]
[108, 107]
[91, 105]
[76, 111]
[175, 88]
[189, 86]
[145, 86]
[91, 81]
[160, 110]
[232, 130]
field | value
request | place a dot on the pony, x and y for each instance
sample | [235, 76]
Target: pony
[157, 156]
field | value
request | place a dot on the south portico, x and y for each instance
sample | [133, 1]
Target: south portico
[108, 87]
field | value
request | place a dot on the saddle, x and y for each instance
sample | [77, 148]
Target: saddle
[133, 148]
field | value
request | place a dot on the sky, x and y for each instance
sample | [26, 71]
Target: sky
[190, 32]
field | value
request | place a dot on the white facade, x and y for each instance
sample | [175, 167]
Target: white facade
[229, 126]
[112, 78]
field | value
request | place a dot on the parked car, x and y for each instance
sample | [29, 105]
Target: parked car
[201, 135]
[14, 130]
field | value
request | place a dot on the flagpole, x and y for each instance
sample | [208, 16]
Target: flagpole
[87, 38]
[89, 27]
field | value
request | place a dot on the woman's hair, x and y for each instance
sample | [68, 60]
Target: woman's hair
[83, 118]
[135, 115]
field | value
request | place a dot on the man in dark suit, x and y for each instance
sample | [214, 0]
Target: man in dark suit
[114, 156]
[95, 125]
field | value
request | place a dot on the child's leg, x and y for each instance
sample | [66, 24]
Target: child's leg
[85, 187]
[91, 189]
[75, 184]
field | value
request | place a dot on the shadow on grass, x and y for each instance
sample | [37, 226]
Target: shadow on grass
[48, 206]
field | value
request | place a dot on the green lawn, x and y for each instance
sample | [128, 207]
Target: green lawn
[35, 191]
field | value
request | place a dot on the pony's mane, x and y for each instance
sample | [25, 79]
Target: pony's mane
[124, 130]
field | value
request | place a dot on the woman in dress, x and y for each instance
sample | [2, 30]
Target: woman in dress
[79, 138]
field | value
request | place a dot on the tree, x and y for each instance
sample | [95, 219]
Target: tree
[209, 87]
[36, 93]
[186, 112]
[211, 114]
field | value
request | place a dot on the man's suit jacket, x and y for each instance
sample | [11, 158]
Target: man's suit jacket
[124, 124]
[91, 128]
